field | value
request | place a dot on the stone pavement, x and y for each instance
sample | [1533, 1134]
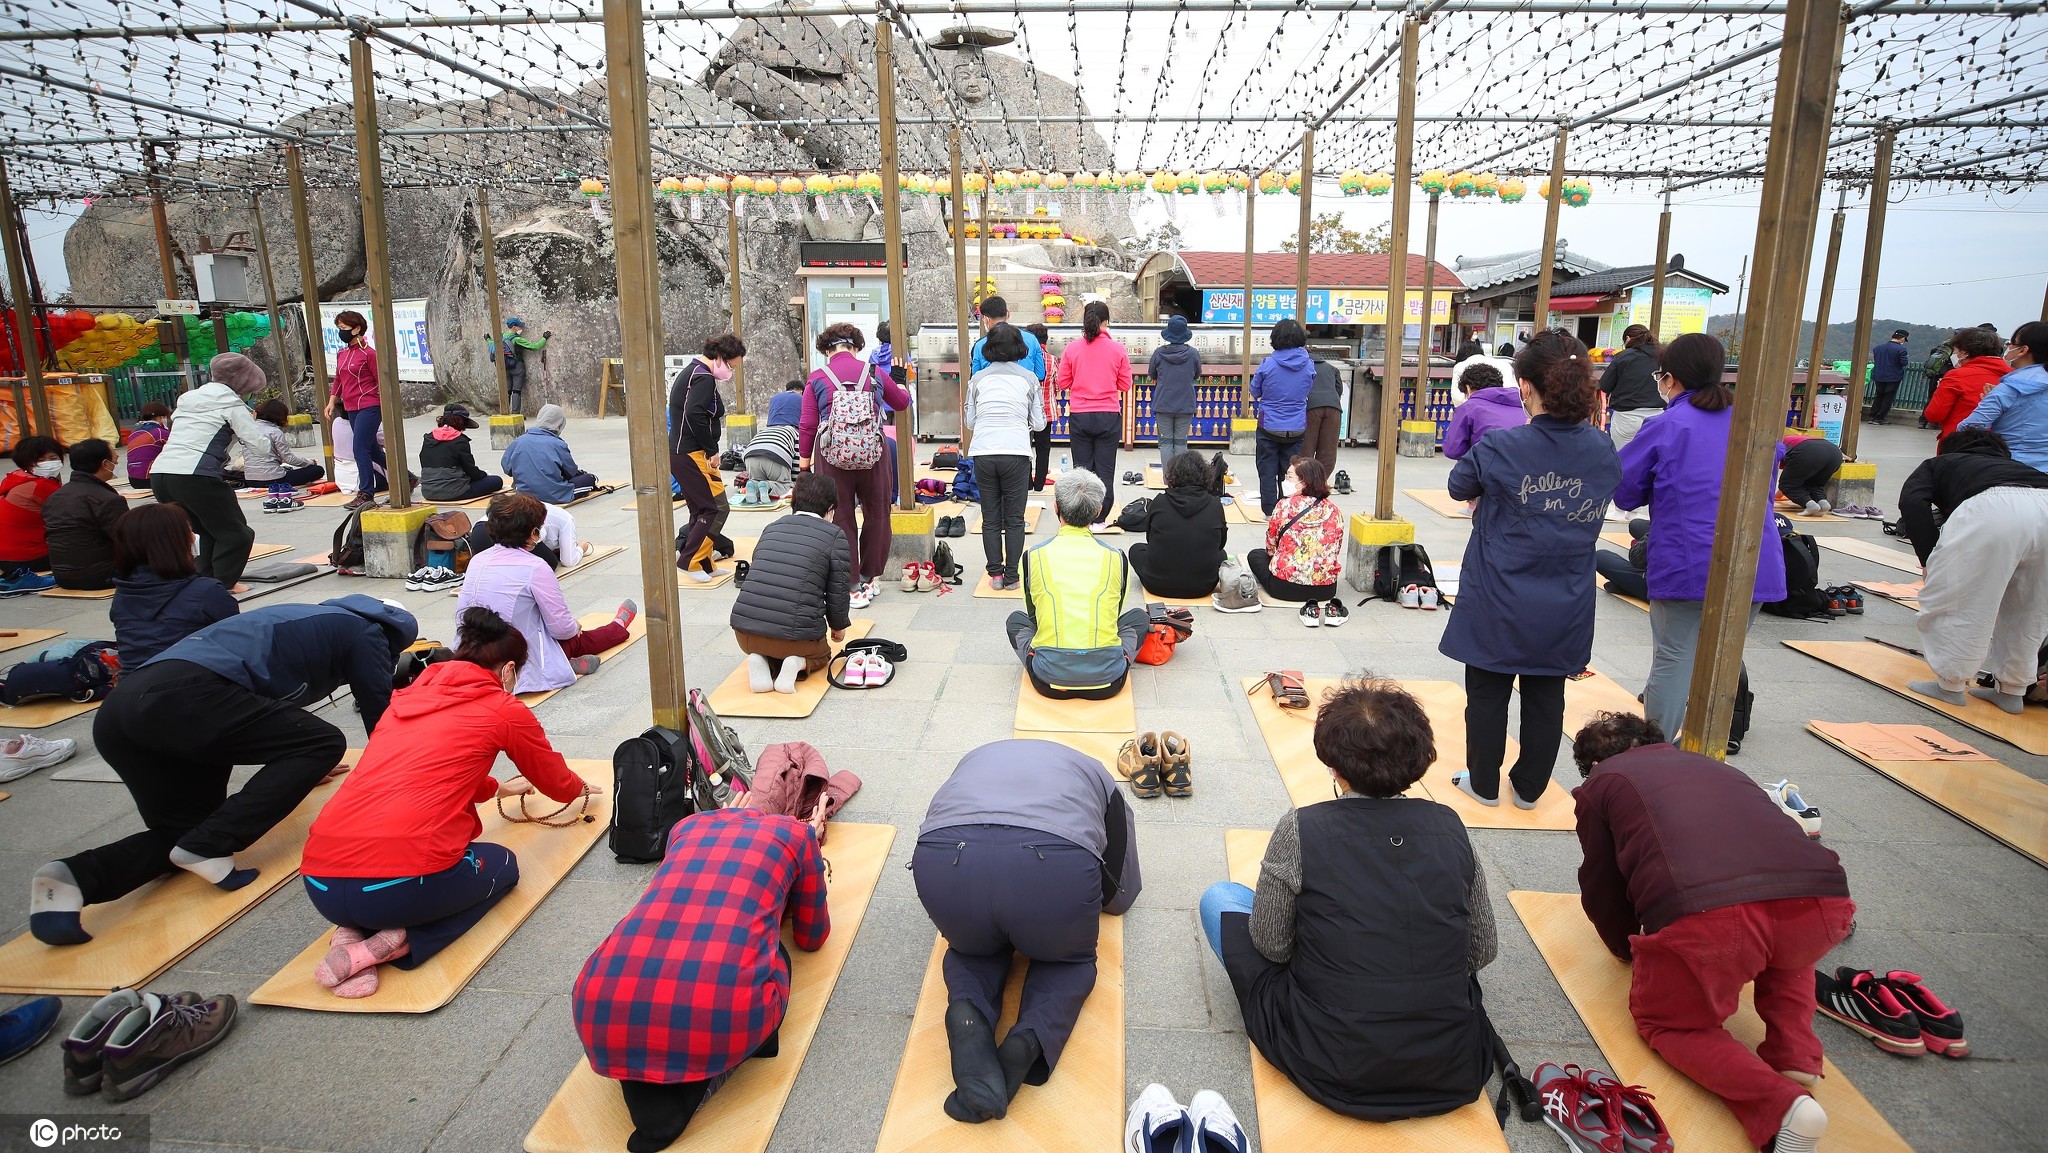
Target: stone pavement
[1936, 896]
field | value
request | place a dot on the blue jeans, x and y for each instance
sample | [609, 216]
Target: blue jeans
[363, 424]
[1218, 899]
[1274, 455]
[1173, 434]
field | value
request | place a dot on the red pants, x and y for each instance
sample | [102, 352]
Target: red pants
[1688, 980]
[595, 640]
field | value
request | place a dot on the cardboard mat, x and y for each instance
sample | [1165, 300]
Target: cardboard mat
[1118, 714]
[1032, 512]
[545, 856]
[264, 590]
[1240, 511]
[1103, 747]
[1288, 1120]
[1620, 540]
[734, 697]
[1871, 551]
[598, 554]
[12, 639]
[986, 589]
[1155, 477]
[1290, 738]
[1633, 602]
[1597, 982]
[329, 500]
[1891, 669]
[1905, 593]
[1597, 693]
[1080, 1108]
[41, 714]
[2007, 806]
[1202, 601]
[259, 551]
[634, 632]
[1439, 502]
[588, 1115]
[604, 488]
[141, 936]
[1444, 702]
[78, 594]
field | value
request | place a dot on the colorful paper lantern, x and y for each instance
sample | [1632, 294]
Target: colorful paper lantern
[1512, 190]
[1577, 193]
[1379, 184]
[1433, 181]
[975, 183]
[1351, 182]
[1485, 184]
[669, 186]
[1294, 182]
[790, 186]
[717, 185]
[590, 186]
[1271, 183]
[1055, 181]
[1462, 184]
[1238, 181]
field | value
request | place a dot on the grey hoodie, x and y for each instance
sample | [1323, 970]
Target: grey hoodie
[1174, 370]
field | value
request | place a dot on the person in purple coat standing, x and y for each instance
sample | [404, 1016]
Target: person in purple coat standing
[1675, 466]
[1488, 405]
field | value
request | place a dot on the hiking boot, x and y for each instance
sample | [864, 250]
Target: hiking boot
[1335, 614]
[1941, 1027]
[85, 1045]
[1312, 615]
[26, 753]
[143, 1050]
[1139, 762]
[359, 502]
[1863, 1001]
[1176, 765]
[1342, 483]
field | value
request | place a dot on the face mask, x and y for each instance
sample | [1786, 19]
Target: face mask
[1288, 487]
[720, 371]
[50, 468]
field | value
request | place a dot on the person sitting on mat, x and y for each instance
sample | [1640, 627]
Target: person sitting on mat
[79, 519]
[1003, 407]
[1810, 463]
[1021, 851]
[695, 980]
[1185, 533]
[1526, 600]
[192, 469]
[145, 440]
[1979, 521]
[1073, 635]
[510, 580]
[1304, 553]
[540, 464]
[1490, 403]
[160, 597]
[273, 464]
[770, 461]
[1694, 875]
[796, 591]
[1338, 913]
[24, 547]
[1624, 574]
[448, 468]
[557, 544]
[233, 693]
[393, 858]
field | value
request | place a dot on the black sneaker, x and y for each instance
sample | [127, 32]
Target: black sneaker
[1864, 1002]
[1342, 482]
[1335, 614]
[1941, 1027]
[143, 1050]
[1311, 615]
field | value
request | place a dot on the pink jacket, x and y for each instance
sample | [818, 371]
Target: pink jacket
[355, 377]
[848, 368]
[791, 780]
[1098, 373]
[520, 587]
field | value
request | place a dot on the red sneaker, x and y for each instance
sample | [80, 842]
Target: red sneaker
[1941, 1027]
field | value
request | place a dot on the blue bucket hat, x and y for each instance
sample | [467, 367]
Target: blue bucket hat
[1176, 330]
[514, 322]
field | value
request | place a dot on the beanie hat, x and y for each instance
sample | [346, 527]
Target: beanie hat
[238, 372]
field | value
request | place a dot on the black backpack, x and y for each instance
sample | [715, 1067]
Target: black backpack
[86, 675]
[656, 781]
[1399, 565]
[348, 543]
[1803, 598]
[1132, 518]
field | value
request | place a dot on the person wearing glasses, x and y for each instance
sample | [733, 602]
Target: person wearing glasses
[2017, 409]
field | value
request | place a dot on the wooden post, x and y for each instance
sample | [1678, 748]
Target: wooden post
[1820, 312]
[1866, 292]
[377, 273]
[161, 221]
[270, 295]
[633, 236]
[732, 280]
[1795, 166]
[982, 273]
[494, 321]
[24, 313]
[892, 246]
[309, 292]
[1428, 328]
[1663, 269]
[965, 360]
[1251, 213]
[1552, 204]
[1308, 198]
[1397, 275]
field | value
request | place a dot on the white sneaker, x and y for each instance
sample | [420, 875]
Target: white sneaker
[25, 754]
[441, 578]
[861, 597]
[1790, 802]
[1216, 1127]
[1157, 1124]
[417, 579]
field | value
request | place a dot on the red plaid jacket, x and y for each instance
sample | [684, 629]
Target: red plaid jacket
[693, 979]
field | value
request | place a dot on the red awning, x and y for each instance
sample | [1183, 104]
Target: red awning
[1575, 303]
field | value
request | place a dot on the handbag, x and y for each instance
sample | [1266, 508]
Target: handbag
[1157, 647]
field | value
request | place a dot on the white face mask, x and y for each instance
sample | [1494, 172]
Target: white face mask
[1288, 487]
[50, 468]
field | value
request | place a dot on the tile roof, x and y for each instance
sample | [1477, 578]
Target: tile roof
[1325, 270]
[1507, 267]
[1612, 280]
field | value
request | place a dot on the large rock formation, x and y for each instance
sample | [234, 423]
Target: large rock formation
[554, 252]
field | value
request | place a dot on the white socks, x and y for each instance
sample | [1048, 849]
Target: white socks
[760, 677]
[785, 681]
[54, 902]
[220, 871]
[1801, 1130]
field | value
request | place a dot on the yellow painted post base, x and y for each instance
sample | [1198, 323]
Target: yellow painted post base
[1363, 549]
[387, 539]
[1418, 438]
[910, 535]
[739, 429]
[1856, 483]
[505, 430]
[1244, 433]
[300, 431]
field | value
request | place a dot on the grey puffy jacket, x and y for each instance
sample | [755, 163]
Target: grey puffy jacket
[798, 581]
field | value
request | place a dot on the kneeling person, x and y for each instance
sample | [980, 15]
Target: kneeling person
[797, 590]
[1073, 635]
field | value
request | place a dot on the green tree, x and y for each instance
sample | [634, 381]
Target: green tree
[1327, 233]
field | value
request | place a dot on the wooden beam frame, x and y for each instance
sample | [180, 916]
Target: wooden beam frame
[1308, 204]
[24, 314]
[377, 274]
[734, 262]
[1427, 327]
[1397, 274]
[1819, 346]
[1866, 290]
[1251, 215]
[958, 204]
[892, 247]
[1663, 271]
[309, 306]
[494, 317]
[1552, 204]
[270, 296]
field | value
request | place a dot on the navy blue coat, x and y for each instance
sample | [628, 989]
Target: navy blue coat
[297, 653]
[1525, 597]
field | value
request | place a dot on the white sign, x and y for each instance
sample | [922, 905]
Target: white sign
[415, 354]
[177, 308]
[1830, 409]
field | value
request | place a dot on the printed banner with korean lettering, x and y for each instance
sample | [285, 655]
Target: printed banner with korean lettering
[415, 355]
[1325, 306]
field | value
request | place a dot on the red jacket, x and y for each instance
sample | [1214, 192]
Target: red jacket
[1961, 387]
[409, 807]
[22, 494]
[1667, 833]
[355, 377]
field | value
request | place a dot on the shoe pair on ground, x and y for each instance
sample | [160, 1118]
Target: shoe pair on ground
[1158, 762]
[1595, 1113]
[1160, 1124]
[127, 1043]
[429, 578]
[1896, 1010]
[1843, 600]
[864, 593]
[1341, 483]
[1329, 614]
[282, 499]
[923, 577]
[868, 669]
[1420, 597]
[1133, 476]
[950, 526]
[27, 753]
[25, 581]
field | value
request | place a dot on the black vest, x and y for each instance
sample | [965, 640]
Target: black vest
[1377, 1015]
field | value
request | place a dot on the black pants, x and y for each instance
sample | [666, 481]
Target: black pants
[1041, 463]
[433, 909]
[1881, 394]
[480, 539]
[995, 890]
[1261, 563]
[661, 1112]
[225, 537]
[1179, 582]
[708, 508]
[1486, 731]
[1005, 481]
[481, 486]
[1094, 436]
[1273, 454]
[1809, 466]
[174, 732]
[1621, 576]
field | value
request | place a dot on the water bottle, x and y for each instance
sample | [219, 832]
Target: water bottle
[1063, 462]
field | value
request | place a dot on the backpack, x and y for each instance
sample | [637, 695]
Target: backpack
[1132, 518]
[444, 532]
[1938, 362]
[1803, 598]
[656, 781]
[719, 750]
[942, 561]
[1396, 566]
[88, 674]
[965, 488]
[853, 427]
[347, 554]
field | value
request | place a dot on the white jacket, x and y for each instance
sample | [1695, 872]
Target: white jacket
[1004, 406]
[206, 423]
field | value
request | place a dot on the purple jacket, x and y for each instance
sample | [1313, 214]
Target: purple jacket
[1675, 465]
[1482, 412]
